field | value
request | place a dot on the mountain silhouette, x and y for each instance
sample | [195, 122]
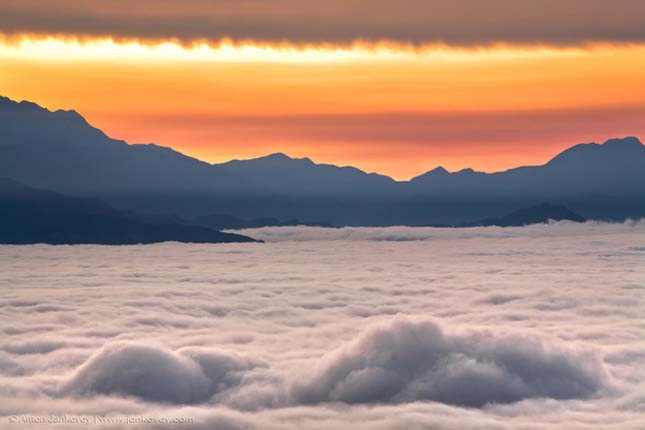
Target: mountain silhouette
[59, 150]
[539, 214]
[616, 166]
[281, 174]
[31, 215]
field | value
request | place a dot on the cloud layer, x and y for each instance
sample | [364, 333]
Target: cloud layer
[409, 361]
[413, 234]
[534, 328]
[458, 22]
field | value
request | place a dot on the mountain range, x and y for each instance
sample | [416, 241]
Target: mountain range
[60, 151]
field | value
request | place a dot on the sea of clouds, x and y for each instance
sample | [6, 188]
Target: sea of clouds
[535, 327]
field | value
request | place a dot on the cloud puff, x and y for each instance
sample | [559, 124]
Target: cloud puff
[407, 361]
[458, 22]
[187, 376]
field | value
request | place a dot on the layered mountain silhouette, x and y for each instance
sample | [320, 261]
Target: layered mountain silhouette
[30, 215]
[60, 151]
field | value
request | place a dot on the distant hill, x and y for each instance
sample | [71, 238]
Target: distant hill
[534, 215]
[29, 215]
[60, 151]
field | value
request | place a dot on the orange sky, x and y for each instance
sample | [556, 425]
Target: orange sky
[389, 109]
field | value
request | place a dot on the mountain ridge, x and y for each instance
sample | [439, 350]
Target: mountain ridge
[627, 141]
[59, 150]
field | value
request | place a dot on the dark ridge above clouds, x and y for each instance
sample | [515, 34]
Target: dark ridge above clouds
[457, 22]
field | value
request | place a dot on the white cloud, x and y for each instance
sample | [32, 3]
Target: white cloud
[407, 361]
[156, 374]
[297, 333]
[404, 234]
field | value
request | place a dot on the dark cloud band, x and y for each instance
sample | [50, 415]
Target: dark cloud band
[456, 22]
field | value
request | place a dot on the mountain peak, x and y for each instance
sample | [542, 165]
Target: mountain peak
[629, 141]
[623, 147]
[6, 102]
[277, 156]
[72, 114]
[281, 157]
[27, 106]
[439, 171]
[468, 171]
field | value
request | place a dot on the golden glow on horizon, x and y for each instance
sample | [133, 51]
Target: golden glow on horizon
[55, 49]
[385, 108]
[52, 48]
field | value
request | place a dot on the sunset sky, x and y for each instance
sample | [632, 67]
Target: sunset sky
[397, 87]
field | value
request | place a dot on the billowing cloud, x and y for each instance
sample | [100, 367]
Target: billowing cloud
[153, 373]
[402, 361]
[410, 361]
[458, 22]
